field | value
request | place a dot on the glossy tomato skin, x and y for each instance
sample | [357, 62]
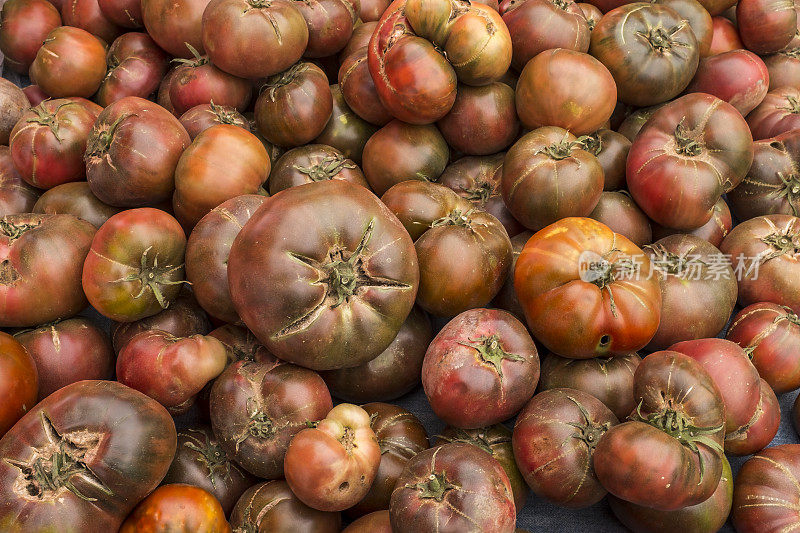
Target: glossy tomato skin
[391, 374]
[761, 429]
[272, 506]
[68, 351]
[180, 508]
[581, 260]
[16, 195]
[565, 88]
[784, 68]
[208, 249]
[375, 522]
[480, 369]
[724, 37]
[400, 437]
[768, 249]
[26, 24]
[738, 77]
[507, 296]
[330, 25]
[764, 488]
[48, 142]
[698, 289]
[121, 462]
[19, 381]
[203, 116]
[358, 88]
[258, 405]
[778, 113]
[135, 265]
[71, 62]
[766, 26]
[611, 150]
[770, 334]
[200, 461]
[705, 517]
[539, 25]
[482, 121]
[135, 67]
[87, 15]
[618, 211]
[173, 24]
[171, 370]
[14, 103]
[639, 45]
[495, 440]
[610, 380]
[455, 484]
[331, 467]
[310, 163]
[74, 198]
[198, 81]
[41, 251]
[699, 21]
[343, 321]
[124, 167]
[554, 440]
[125, 13]
[705, 148]
[655, 459]
[345, 130]
[547, 176]
[714, 231]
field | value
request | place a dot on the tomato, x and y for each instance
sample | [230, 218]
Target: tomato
[495, 440]
[325, 292]
[82, 458]
[766, 26]
[124, 166]
[760, 429]
[125, 13]
[766, 251]
[400, 437]
[13, 103]
[77, 199]
[587, 291]
[48, 142]
[40, 269]
[765, 490]
[70, 62]
[371, 11]
[330, 25]
[310, 163]
[200, 184]
[708, 516]
[273, 507]
[26, 24]
[359, 89]
[174, 23]
[770, 334]
[591, 13]
[135, 67]
[135, 266]
[568, 89]
[772, 185]
[699, 21]
[778, 113]
[689, 153]
[507, 297]
[618, 211]
[635, 121]
[480, 369]
[400, 151]
[738, 77]
[19, 383]
[539, 25]
[68, 351]
[455, 484]
[197, 81]
[16, 196]
[453, 241]
[203, 116]
[611, 150]
[650, 50]
[332, 465]
[391, 374]
[294, 106]
[714, 231]
[376, 522]
[547, 176]
[724, 37]
[554, 439]
[87, 15]
[669, 455]
[482, 121]
[257, 406]
[610, 380]
[698, 289]
[784, 68]
[345, 131]
[179, 508]
[207, 253]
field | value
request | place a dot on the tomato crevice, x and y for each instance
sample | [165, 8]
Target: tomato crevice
[436, 487]
[491, 352]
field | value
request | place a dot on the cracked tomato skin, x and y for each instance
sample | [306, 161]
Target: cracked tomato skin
[324, 275]
[669, 455]
[331, 467]
[554, 440]
[19, 381]
[258, 405]
[587, 291]
[114, 445]
[454, 488]
[177, 508]
[39, 251]
[135, 265]
[480, 369]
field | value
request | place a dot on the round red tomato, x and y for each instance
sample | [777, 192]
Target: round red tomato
[16, 195]
[738, 77]
[75, 198]
[724, 37]
[19, 382]
[175, 23]
[766, 26]
[178, 508]
[310, 163]
[135, 67]
[70, 62]
[618, 211]
[26, 24]
[779, 112]
[87, 15]
[203, 116]
[611, 150]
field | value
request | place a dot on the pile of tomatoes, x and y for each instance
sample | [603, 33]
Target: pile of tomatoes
[579, 220]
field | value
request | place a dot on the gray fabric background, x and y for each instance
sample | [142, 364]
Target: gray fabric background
[537, 515]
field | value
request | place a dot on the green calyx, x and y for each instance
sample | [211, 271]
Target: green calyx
[662, 39]
[792, 104]
[46, 118]
[436, 487]
[259, 426]
[223, 115]
[196, 61]
[153, 277]
[326, 169]
[782, 244]
[454, 218]
[480, 194]
[790, 190]
[101, 138]
[281, 79]
[211, 454]
[588, 431]
[491, 352]
[687, 143]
